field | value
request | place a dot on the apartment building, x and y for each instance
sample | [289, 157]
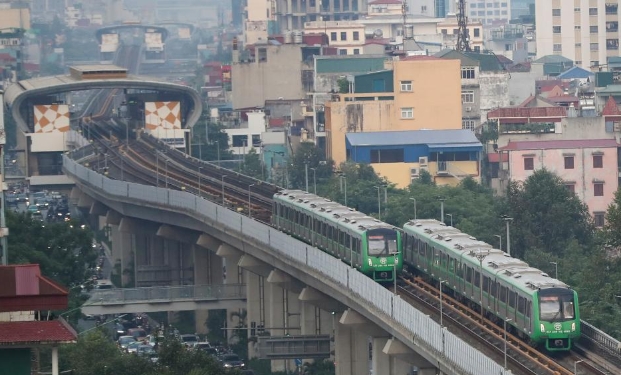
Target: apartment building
[347, 36]
[449, 29]
[293, 14]
[586, 31]
[489, 12]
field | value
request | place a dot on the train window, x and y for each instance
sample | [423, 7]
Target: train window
[521, 304]
[421, 247]
[477, 278]
[485, 283]
[494, 286]
[469, 274]
[444, 260]
[436, 256]
[529, 307]
[452, 265]
[512, 299]
[503, 294]
[329, 232]
[459, 271]
[357, 246]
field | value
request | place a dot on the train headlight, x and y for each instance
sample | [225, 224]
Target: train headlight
[396, 260]
[573, 326]
[370, 262]
[542, 327]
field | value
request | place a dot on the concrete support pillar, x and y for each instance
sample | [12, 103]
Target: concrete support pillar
[123, 242]
[201, 277]
[55, 360]
[275, 302]
[351, 350]
[403, 359]
[254, 307]
[309, 321]
[381, 360]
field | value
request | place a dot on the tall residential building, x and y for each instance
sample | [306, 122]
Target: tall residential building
[586, 31]
[489, 12]
[292, 14]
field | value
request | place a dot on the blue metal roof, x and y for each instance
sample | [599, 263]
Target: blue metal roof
[575, 72]
[458, 138]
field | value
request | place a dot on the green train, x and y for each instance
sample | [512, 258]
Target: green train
[369, 245]
[540, 309]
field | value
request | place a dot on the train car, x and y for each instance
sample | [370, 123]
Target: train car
[541, 309]
[369, 245]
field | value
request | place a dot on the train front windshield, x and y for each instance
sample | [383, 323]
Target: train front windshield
[382, 242]
[557, 308]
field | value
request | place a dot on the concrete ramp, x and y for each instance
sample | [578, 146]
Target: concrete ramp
[166, 298]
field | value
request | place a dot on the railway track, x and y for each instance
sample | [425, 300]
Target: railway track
[520, 357]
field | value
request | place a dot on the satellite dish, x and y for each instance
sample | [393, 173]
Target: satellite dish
[378, 33]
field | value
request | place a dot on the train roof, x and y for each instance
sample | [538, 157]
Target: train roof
[343, 216]
[495, 261]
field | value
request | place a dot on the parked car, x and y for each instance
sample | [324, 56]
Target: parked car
[189, 340]
[132, 347]
[137, 333]
[33, 209]
[23, 198]
[42, 204]
[11, 200]
[232, 361]
[119, 330]
[123, 341]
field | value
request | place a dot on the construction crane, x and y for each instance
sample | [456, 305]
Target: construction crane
[463, 44]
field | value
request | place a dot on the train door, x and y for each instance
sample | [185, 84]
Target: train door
[521, 312]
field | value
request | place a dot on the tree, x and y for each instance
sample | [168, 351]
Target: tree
[63, 250]
[173, 355]
[209, 141]
[547, 216]
[253, 165]
[612, 228]
[307, 154]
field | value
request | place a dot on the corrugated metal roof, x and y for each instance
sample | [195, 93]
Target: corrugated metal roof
[567, 144]
[27, 279]
[447, 138]
[350, 64]
[575, 72]
[487, 63]
[40, 332]
[552, 59]
[611, 108]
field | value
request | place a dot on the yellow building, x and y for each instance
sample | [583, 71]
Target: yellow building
[347, 36]
[421, 92]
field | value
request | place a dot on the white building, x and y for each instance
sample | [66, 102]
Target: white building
[585, 31]
[245, 138]
[490, 12]
[347, 36]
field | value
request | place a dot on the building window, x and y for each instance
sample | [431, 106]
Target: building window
[387, 156]
[578, 45]
[342, 52]
[577, 27]
[569, 162]
[467, 73]
[256, 140]
[333, 37]
[406, 86]
[556, 29]
[594, 47]
[444, 31]
[571, 187]
[612, 26]
[240, 140]
[592, 11]
[593, 29]
[556, 12]
[529, 164]
[557, 47]
[598, 161]
[576, 9]
[467, 96]
[343, 35]
[407, 112]
[612, 44]
[356, 35]
[356, 51]
[598, 189]
[595, 63]
[477, 32]
[611, 8]
[467, 124]
[578, 62]
[598, 218]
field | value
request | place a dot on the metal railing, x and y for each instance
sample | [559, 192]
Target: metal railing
[415, 327]
[167, 293]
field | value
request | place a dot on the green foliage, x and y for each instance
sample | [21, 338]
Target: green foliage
[612, 228]
[252, 165]
[324, 367]
[529, 128]
[343, 84]
[10, 127]
[63, 250]
[209, 140]
[216, 319]
[308, 153]
[174, 357]
[488, 133]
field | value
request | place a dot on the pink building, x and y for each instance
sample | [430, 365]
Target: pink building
[589, 167]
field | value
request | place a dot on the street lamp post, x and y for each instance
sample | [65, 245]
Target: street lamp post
[166, 172]
[199, 180]
[314, 180]
[223, 176]
[507, 220]
[157, 168]
[441, 199]
[441, 307]
[555, 269]
[576, 366]
[249, 209]
[480, 256]
[505, 327]
[379, 203]
[344, 180]
[306, 175]
[414, 199]
[395, 256]
[451, 216]
[218, 150]
[499, 241]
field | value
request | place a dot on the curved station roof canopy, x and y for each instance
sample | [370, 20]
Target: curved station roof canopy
[90, 77]
[130, 26]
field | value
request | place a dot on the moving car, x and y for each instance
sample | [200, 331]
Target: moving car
[232, 361]
[124, 341]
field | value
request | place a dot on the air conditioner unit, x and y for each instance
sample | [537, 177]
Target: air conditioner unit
[468, 109]
[617, 126]
[414, 172]
[423, 161]
[423, 168]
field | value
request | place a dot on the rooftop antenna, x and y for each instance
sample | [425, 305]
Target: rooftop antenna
[463, 44]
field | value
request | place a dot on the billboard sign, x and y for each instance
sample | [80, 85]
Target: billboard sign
[51, 118]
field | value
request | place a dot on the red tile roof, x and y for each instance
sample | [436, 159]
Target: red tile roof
[36, 332]
[611, 108]
[22, 287]
[527, 112]
[567, 144]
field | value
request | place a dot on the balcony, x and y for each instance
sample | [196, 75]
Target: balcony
[506, 34]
